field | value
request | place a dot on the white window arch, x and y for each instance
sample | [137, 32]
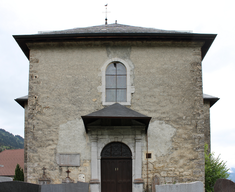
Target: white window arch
[117, 82]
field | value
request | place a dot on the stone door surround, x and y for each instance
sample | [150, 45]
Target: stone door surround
[116, 168]
[133, 141]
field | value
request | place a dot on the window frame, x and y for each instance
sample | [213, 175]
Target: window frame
[129, 80]
[118, 83]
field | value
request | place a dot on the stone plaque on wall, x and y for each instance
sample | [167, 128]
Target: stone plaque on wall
[69, 160]
[81, 177]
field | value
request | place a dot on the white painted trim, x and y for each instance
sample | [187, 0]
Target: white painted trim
[130, 89]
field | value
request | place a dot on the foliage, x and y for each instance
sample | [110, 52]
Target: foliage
[214, 169]
[9, 141]
[19, 173]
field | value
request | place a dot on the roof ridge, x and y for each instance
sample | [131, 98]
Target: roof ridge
[112, 28]
[11, 150]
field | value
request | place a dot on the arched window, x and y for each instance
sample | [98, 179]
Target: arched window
[116, 83]
[116, 149]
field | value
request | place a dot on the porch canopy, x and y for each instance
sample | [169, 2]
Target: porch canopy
[115, 115]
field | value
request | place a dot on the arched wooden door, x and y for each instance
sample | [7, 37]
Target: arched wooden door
[116, 168]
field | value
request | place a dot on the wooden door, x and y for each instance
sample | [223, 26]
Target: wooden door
[124, 175]
[116, 175]
[108, 175]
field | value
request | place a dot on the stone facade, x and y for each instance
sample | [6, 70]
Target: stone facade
[65, 83]
[207, 127]
[189, 187]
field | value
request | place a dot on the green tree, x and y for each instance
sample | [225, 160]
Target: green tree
[215, 169]
[19, 173]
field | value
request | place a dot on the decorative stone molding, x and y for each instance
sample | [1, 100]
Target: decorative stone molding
[94, 163]
[139, 181]
[130, 88]
[100, 137]
[94, 181]
[138, 159]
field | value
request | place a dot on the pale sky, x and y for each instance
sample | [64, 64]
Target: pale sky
[201, 16]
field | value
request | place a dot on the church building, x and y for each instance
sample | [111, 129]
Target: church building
[121, 107]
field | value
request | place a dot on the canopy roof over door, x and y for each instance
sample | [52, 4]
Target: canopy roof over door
[116, 115]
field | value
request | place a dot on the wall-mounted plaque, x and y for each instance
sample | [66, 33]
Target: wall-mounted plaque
[68, 160]
[81, 177]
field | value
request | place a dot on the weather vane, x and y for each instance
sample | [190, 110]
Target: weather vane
[106, 13]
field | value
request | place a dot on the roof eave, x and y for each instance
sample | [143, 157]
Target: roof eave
[116, 111]
[22, 40]
[212, 100]
[22, 101]
[144, 120]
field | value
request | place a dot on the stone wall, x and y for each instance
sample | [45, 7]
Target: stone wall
[26, 136]
[170, 91]
[206, 109]
[64, 82]
[187, 187]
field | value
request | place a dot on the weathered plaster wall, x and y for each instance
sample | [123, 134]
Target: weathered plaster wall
[63, 85]
[206, 109]
[25, 139]
[168, 88]
[161, 143]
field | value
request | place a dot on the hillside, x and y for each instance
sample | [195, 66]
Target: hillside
[9, 141]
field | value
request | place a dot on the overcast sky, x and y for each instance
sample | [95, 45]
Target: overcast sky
[201, 16]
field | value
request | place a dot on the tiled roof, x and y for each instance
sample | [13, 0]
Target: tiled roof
[113, 113]
[116, 110]
[111, 28]
[9, 160]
